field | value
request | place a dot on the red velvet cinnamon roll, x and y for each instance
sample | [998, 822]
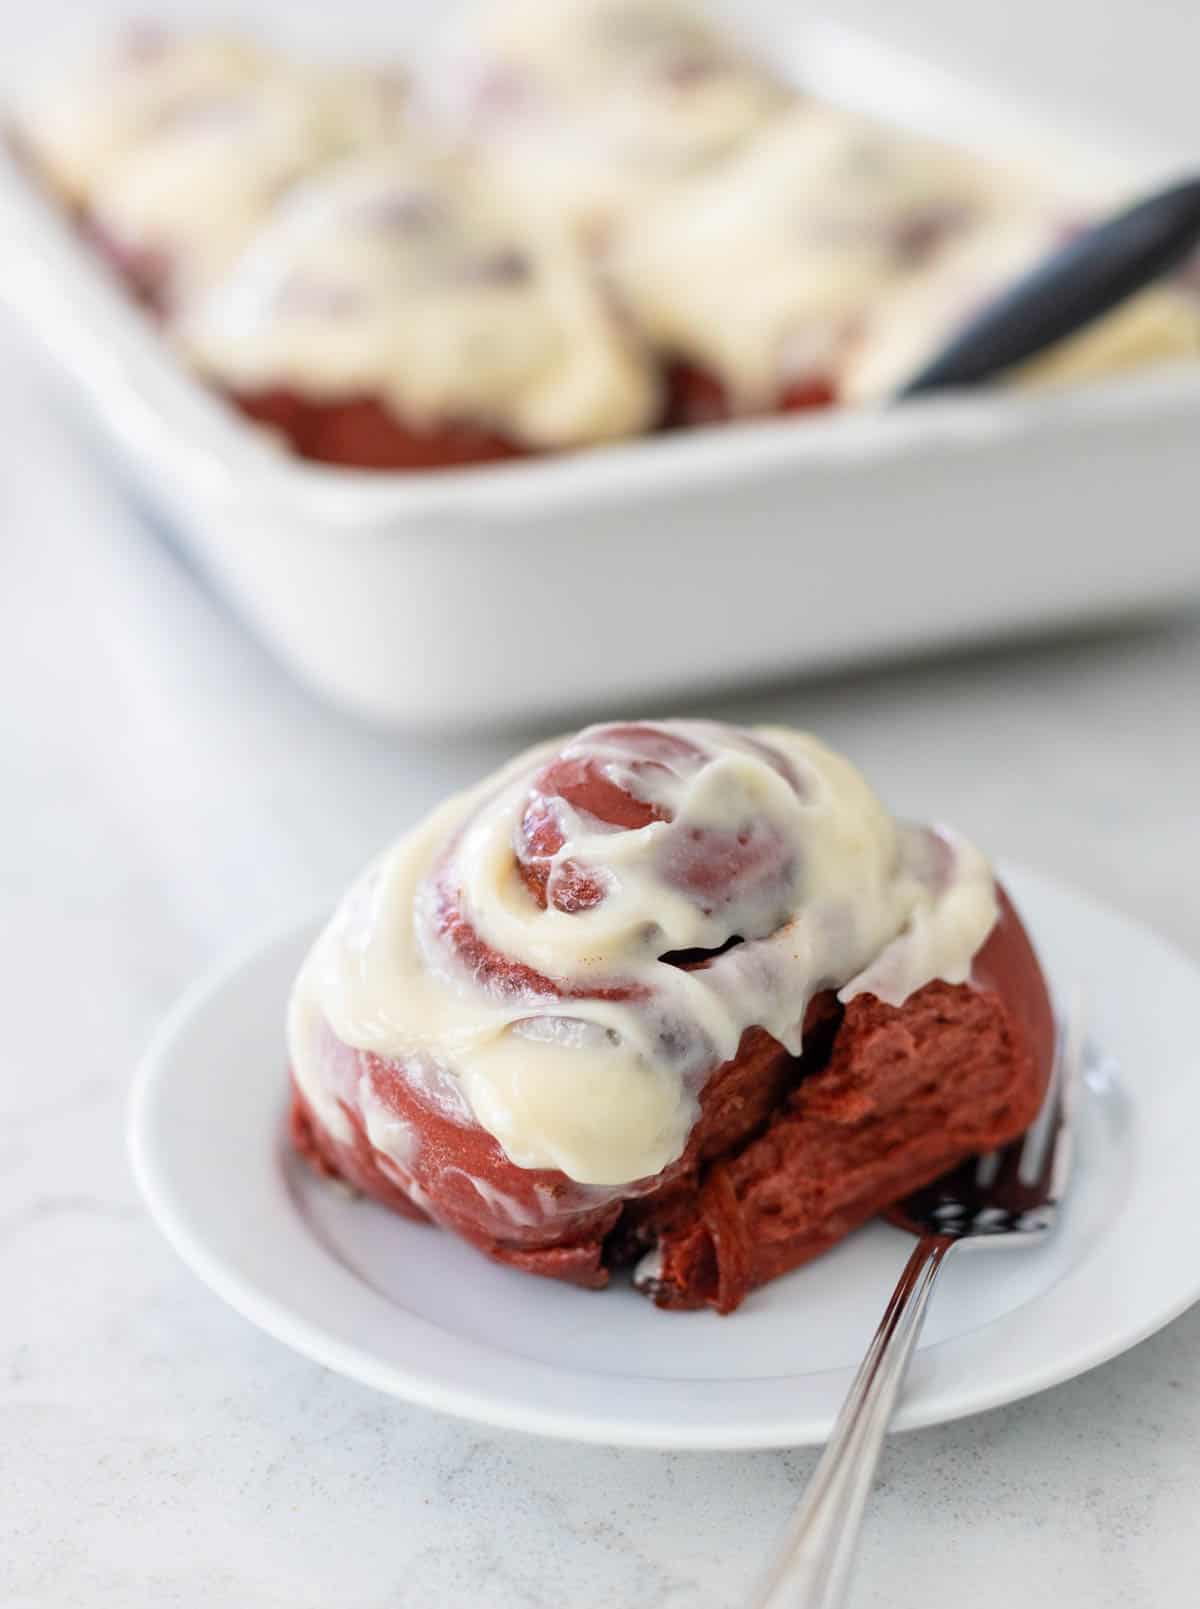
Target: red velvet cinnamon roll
[673, 995]
[758, 277]
[395, 313]
[171, 151]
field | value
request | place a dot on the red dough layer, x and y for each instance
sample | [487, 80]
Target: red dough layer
[904, 1095]
[695, 396]
[361, 433]
[787, 1157]
[355, 433]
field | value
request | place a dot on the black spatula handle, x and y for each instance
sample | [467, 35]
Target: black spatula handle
[1091, 274]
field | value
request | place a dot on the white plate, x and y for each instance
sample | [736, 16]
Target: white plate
[415, 1312]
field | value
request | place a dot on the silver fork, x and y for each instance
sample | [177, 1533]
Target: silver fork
[1008, 1198]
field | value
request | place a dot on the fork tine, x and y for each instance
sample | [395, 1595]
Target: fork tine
[1072, 1081]
[987, 1168]
[1037, 1146]
[1004, 1175]
[1045, 1152]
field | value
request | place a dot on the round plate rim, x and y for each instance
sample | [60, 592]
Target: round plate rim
[307, 1338]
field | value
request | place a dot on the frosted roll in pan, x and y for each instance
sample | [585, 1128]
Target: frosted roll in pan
[759, 549]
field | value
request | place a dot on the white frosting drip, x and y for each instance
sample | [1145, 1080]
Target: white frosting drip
[402, 275]
[594, 105]
[765, 268]
[607, 1089]
[393, 1136]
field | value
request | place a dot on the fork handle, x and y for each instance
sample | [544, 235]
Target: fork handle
[813, 1567]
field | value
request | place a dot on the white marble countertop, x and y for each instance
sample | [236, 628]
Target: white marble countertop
[165, 791]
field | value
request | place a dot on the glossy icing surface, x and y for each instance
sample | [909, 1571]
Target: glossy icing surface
[403, 274]
[594, 106]
[528, 955]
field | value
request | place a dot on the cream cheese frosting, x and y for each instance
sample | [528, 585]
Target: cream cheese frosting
[403, 275]
[88, 118]
[590, 107]
[764, 270]
[300, 230]
[591, 1055]
[198, 190]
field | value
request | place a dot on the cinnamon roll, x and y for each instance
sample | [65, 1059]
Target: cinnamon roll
[394, 313]
[673, 996]
[760, 275]
[171, 151]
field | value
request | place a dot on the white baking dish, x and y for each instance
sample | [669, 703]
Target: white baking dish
[632, 572]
